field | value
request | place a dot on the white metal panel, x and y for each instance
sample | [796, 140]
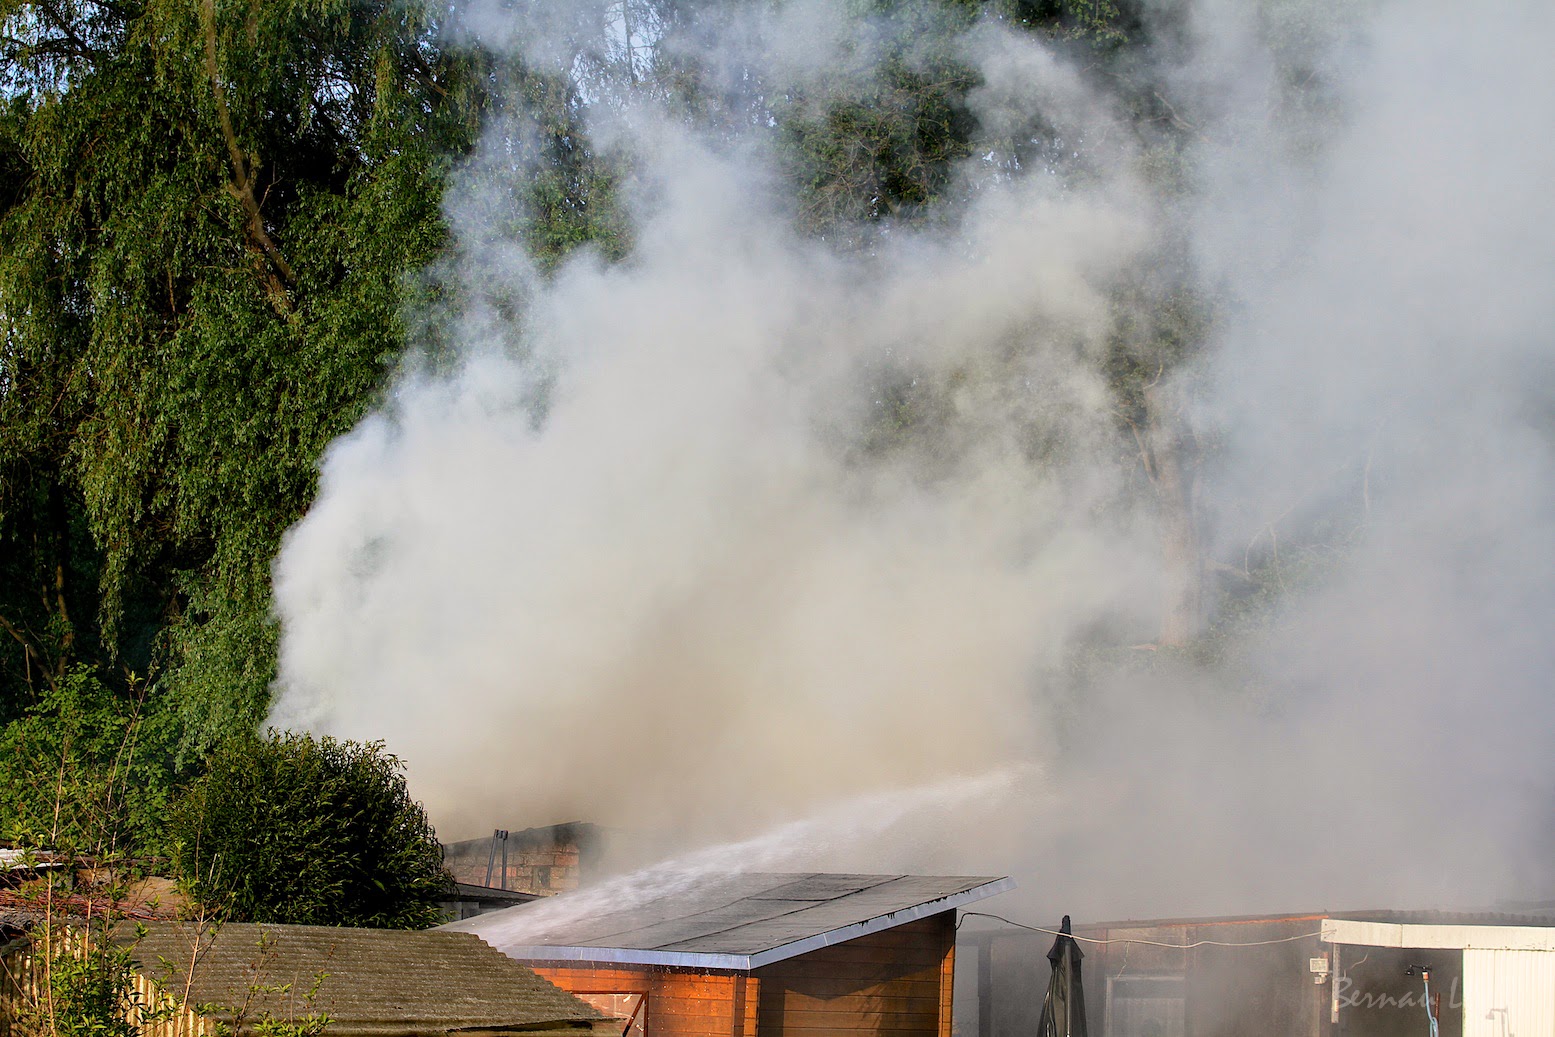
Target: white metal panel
[1366, 934]
[1508, 993]
[1481, 937]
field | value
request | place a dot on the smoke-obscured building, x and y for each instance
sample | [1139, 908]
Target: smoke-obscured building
[1323, 974]
[539, 861]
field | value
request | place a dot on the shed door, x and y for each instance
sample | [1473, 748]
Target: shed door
[1508, 993]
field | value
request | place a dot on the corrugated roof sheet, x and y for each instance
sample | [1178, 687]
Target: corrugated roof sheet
[367, 981]
[736, 922]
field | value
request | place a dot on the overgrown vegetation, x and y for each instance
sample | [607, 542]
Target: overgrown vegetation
[82, 985]
[87, 772]
[287, 828]
[283, 828]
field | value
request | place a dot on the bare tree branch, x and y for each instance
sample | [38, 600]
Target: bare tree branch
[31, 652]
[242, 185]
[79, 46]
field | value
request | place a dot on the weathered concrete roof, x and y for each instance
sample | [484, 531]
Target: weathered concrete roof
[736, 922]
[367, 981]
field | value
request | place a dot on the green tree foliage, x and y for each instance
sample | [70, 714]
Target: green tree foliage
[207, 216]
[210, 213]
[867, 144]
[887, 153]
[1100, 22]
[86, 771]
[286, 828]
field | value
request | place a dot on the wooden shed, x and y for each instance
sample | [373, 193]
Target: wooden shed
[774, 955]
[197, 981]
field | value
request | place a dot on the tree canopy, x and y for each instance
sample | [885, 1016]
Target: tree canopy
[209, 215]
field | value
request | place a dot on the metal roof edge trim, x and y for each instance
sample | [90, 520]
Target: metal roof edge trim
[748, 962]
[627, 956]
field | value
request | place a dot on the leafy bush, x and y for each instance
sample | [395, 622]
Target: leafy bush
[85, 987]
[87, 771]
[288, 828]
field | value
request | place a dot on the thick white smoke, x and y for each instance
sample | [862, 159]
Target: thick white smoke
[1383, 371]
[646, 560]
[679, 597]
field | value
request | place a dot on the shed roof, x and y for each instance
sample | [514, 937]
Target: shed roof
[736, 922]
[367, 981]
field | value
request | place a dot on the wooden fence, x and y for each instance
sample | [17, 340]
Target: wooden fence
[26, 999]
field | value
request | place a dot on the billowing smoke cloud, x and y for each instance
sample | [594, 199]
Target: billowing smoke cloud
[686, 590]
[656, 555]
[1382, 375]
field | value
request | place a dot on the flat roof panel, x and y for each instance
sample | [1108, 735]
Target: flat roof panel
[754, 918]
[823, 887]
[737, 918]
[609, 915]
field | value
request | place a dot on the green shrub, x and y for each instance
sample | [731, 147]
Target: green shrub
[86, 771]
[288, 828]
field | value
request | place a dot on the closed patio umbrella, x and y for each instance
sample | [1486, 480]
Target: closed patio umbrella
[1063, 1010]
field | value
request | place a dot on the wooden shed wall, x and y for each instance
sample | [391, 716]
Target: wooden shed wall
[681, 1002]
[892, 984]
[895, 983]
